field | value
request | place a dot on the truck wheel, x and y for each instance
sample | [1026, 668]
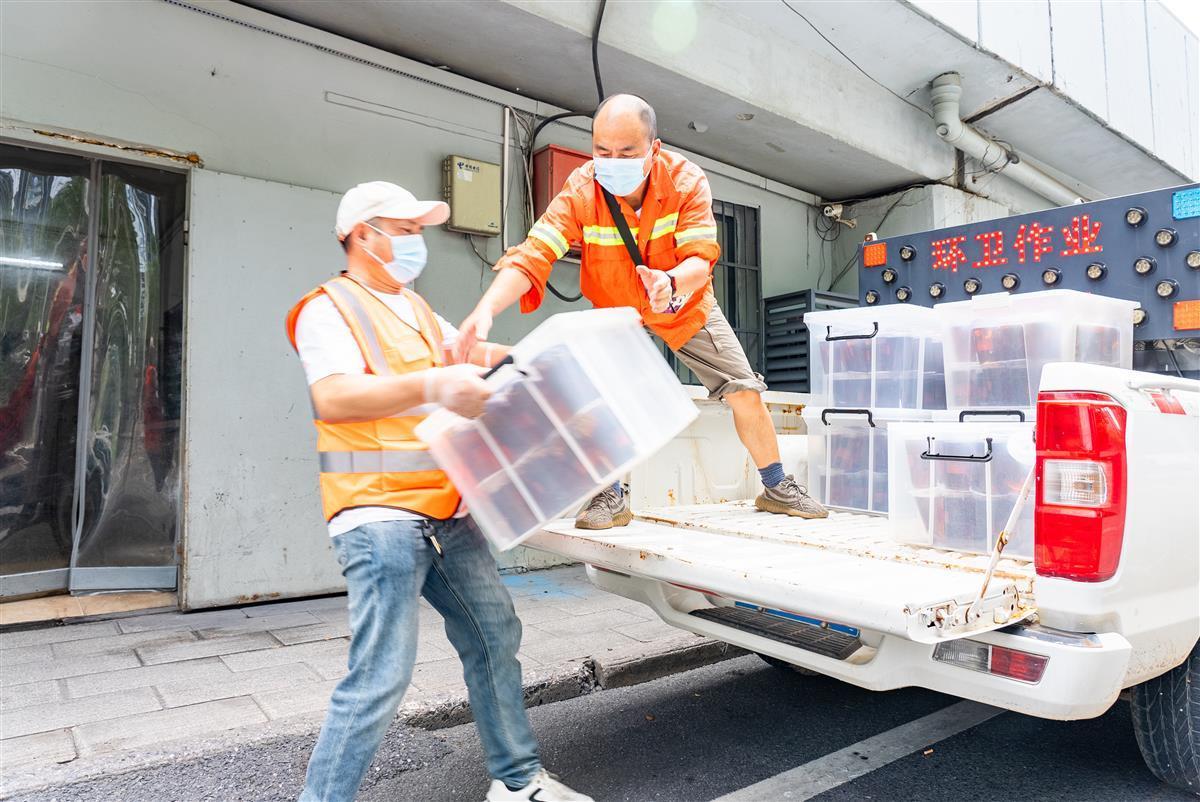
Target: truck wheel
[783, 665]
[1166, 719]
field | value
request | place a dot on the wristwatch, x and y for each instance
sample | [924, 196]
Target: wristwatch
[674, 292]
[677, 301]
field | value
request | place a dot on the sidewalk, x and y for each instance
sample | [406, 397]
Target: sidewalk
[107, 696]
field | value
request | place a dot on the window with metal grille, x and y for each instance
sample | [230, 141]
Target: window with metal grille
[737, 283]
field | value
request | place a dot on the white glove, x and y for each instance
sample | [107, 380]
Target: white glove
[459, 388]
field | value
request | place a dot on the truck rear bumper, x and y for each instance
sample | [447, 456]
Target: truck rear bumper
[1083, 676]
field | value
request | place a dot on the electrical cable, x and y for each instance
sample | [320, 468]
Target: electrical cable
[596, 53]
[846, 267]
[852, 61]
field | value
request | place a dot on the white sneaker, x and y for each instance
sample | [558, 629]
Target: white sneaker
[543, 788]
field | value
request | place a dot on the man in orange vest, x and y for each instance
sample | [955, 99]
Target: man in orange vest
[374, 355]
[664, 202]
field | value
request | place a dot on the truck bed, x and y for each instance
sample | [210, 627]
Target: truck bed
[843, 571]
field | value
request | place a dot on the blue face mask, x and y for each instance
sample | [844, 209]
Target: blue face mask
[620, 176]
[408, 256]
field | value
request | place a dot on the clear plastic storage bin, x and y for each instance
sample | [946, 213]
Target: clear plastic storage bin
[587, 397]
[953, 484]
[996, 345]
[848, 457]
[876, 357]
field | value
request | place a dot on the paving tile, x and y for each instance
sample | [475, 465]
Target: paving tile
[282, 655]
[539, 611]
[25, 654]
[210, 668]
[439, 676]
[332, 616]
[569, 648]
[648, 632]
[591, 622]
[40, 749]
[152, 729]
[211, 647]
[112, 644]
[596, 604]
[329, 666]
[74, 712]
[56, 634]
[244, 683]
[31, 693]
[313, 632]
[58, 669]
[204, 620]
[310, 698]
[299, 605]
[302, 618]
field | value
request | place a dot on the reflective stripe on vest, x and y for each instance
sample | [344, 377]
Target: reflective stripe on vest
[377, 462]
[348, 299]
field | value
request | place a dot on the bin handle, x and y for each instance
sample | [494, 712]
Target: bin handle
[829, 336]
[985, 457]
[837, 411]
[1020, 415]
[508, 360]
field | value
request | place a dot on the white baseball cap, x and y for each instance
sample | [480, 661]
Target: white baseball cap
[384, 199]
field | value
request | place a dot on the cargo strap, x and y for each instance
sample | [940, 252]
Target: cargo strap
[377, 461]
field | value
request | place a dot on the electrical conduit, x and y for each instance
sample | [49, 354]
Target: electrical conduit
[946, 95]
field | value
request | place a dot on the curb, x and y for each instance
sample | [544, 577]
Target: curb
[617, 670]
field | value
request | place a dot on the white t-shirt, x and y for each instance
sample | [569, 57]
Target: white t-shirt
[327, 347]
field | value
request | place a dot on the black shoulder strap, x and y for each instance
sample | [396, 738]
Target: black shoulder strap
[626, 235]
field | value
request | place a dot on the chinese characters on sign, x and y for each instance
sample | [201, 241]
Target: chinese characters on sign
[1032, 241]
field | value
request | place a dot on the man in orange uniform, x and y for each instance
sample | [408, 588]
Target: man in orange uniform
[373, 353]
[665, 201]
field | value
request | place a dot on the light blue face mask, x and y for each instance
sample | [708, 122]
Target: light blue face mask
[408, 256]
[620, 176]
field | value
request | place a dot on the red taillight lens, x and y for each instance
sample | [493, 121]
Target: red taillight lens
[1017, 665]
[1079, 517]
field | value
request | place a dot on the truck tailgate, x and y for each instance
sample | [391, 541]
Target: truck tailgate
[843, 570]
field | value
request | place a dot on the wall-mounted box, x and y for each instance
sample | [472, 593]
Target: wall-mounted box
[552, 166]
[472, 188]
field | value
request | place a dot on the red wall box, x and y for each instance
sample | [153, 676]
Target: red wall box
[552, 165]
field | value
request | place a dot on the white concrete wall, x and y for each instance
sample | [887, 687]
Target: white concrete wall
[282, 129]
[1128, 62]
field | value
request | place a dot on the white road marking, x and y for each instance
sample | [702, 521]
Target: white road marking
[820, 775]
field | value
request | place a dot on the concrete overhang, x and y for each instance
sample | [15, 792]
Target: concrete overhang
[818, 122]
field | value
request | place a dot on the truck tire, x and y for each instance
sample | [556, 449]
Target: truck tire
[1166, 719]
[783, 665]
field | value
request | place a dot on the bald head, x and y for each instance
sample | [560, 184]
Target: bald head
[621, 120]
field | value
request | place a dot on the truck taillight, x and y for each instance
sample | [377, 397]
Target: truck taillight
[1079, 515]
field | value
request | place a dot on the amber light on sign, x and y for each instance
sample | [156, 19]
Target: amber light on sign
[1187, 315]
[875, 254]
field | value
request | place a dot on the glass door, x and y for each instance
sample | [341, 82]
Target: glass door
[91, 316]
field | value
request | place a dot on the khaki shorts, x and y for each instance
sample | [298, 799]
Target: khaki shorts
[716, 357]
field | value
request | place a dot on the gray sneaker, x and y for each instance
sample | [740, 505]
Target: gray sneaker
[789, 498]
[606, 511]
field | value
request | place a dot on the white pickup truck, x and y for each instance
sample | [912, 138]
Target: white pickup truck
[1111, 601]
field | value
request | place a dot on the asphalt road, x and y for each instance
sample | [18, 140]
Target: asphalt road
[704, 734]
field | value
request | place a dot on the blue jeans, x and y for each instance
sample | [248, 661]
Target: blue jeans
[387, 566]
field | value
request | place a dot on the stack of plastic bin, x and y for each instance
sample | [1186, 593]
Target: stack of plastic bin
[870, 367]
[587, 397]
[956, 479]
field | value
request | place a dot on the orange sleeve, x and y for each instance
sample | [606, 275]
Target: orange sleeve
[696, 230]
[547, 242]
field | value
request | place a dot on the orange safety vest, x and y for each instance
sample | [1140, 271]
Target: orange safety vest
[381, 463]
[676, 223]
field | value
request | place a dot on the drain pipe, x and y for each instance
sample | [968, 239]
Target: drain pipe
[946, 95]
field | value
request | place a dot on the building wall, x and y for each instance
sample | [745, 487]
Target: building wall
[1145, 85]
[282, 129]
